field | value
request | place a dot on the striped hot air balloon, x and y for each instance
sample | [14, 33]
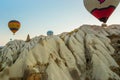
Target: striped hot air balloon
[14, 26]
[101, 9]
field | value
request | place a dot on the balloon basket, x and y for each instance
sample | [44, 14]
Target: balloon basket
[12, 38]
[104, 25]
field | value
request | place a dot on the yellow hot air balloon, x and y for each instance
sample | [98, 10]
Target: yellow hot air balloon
[14, 26]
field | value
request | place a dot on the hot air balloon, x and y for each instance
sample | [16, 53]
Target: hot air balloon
[14, 26]
[101, 9]
[49, 33]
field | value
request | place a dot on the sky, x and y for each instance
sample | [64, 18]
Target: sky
[39, 16]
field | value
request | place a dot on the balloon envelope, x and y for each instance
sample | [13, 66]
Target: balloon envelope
[49, 33]
[14, 26]
[101, 9]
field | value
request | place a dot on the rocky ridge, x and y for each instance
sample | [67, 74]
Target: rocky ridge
[88, 53]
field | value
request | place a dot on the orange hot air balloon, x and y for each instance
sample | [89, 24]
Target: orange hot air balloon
[101, 9]
[14, 26]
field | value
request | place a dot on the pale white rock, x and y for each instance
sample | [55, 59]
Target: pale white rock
[101, 71]
[95, 44]
[57, 72]
[83, 53]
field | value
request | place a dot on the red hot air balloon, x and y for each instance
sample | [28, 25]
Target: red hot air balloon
[101, 9]
[14, 26]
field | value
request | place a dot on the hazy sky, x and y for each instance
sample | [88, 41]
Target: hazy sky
[39, 16]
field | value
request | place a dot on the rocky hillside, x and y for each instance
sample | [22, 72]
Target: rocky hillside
[88, 53]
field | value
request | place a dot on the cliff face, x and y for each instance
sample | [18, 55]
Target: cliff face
[87, 53]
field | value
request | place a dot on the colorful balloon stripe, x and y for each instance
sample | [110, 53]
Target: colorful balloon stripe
[104, 13]
[101, 1]
[13, 28]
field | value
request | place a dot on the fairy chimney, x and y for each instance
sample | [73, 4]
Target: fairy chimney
[28, 38]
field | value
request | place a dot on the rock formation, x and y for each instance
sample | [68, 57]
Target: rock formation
[28, 38]
[88, 53]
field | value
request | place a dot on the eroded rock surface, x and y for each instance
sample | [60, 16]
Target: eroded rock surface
[88, 53]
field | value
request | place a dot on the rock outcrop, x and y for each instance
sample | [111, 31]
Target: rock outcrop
[88, 53]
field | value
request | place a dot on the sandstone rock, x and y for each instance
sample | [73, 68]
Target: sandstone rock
[88, 53]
